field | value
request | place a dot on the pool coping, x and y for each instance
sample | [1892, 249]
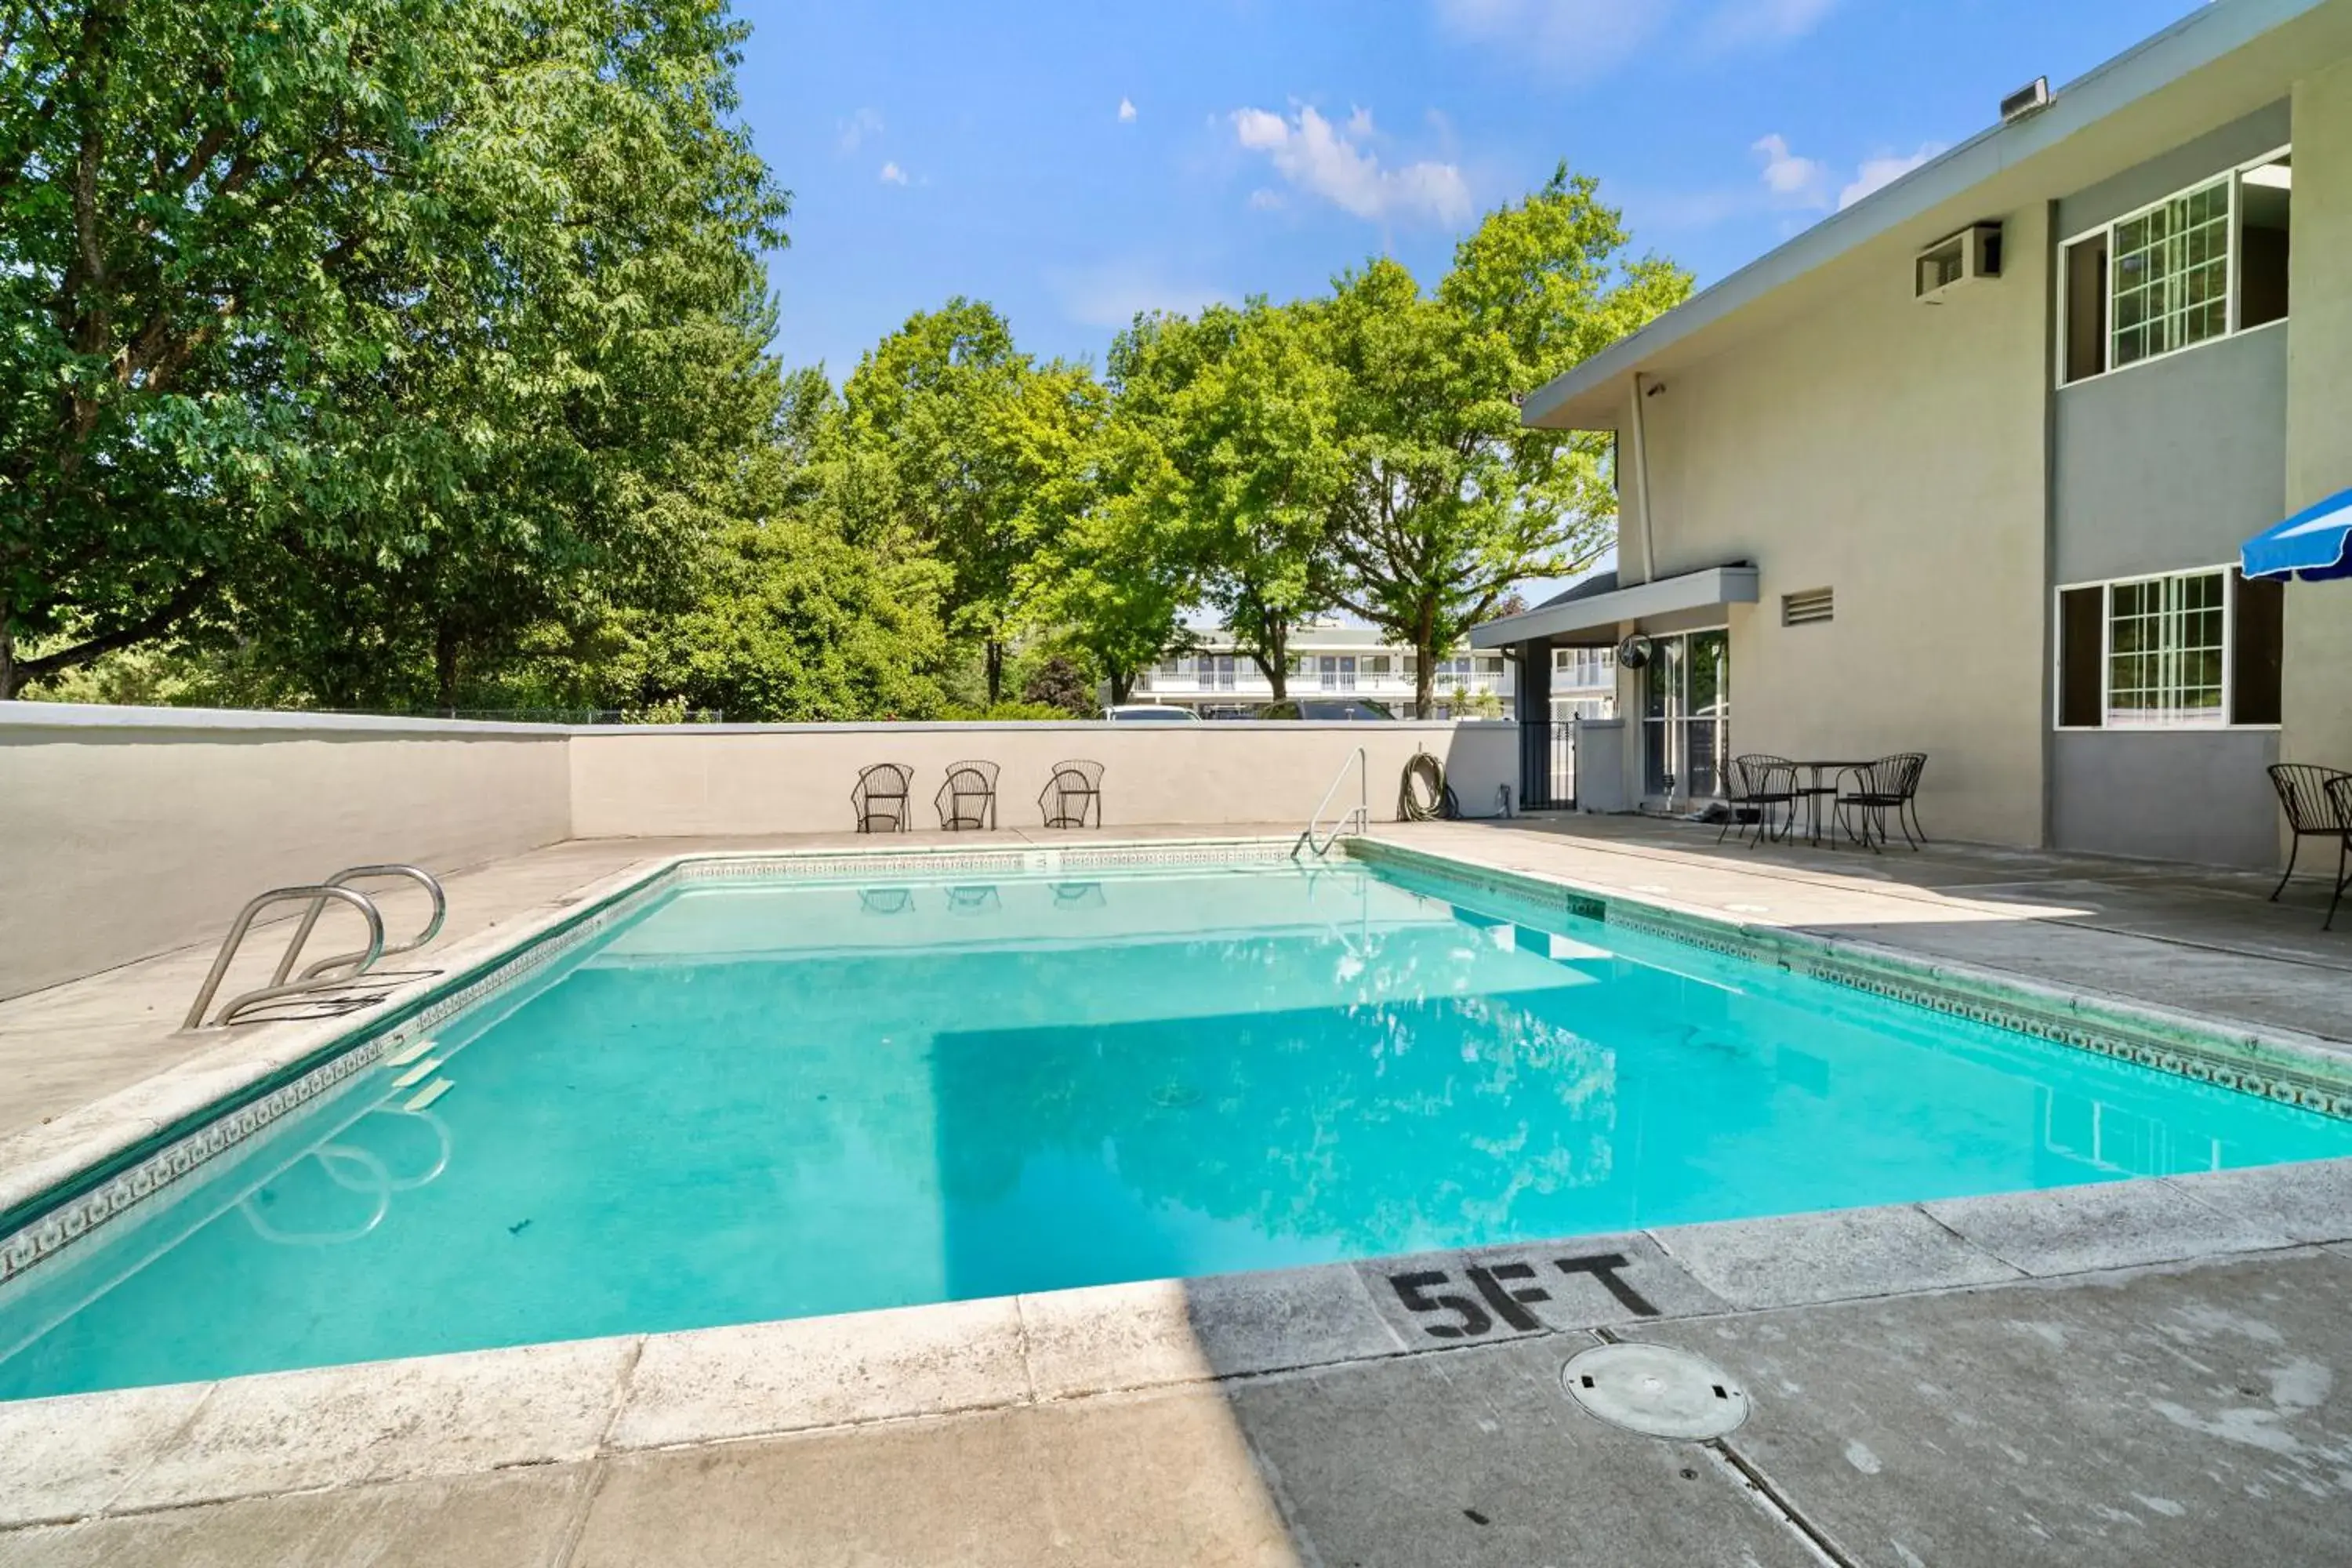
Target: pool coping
[138, 1450]
[134, 1451]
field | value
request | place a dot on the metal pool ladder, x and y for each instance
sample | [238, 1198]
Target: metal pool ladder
[1355, 819]
[335, 971]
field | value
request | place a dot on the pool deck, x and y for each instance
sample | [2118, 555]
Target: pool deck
[2154, 1371]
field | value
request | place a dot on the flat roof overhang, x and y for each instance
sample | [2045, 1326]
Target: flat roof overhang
[1715, 586]
[2224, 62]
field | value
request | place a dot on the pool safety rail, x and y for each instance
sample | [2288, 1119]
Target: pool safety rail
[1355, 819]
[338, 970]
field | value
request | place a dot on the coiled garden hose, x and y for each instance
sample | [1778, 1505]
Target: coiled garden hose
[1423, 795]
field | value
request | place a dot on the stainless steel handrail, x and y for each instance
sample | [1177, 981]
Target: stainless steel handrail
[1361, 814]
[344, 878]
[314, 893]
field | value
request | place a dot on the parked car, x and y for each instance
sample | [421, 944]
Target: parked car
[1149, 714]
[1329, 709]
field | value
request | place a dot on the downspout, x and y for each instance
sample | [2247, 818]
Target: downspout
[1641, 482]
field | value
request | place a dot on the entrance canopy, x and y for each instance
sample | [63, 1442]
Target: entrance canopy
[1598, 605]
[2315, 542]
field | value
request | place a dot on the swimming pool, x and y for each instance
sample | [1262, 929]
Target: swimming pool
[751, 1099]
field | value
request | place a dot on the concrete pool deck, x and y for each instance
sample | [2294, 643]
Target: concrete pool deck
[2118, 1374]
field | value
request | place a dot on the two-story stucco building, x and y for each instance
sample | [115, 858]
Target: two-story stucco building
[1966, 468]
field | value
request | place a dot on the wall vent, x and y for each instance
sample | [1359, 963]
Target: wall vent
[1808, 608]
[1968, 257]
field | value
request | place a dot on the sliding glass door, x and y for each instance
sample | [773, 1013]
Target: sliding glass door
[1687, 715]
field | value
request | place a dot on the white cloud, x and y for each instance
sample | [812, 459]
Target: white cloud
[893, 175]
[1127, 112]
[1798, 182]
[1326, 160]
[1267, 201]
[858, 129]
[1875, 174]
[1111, 295]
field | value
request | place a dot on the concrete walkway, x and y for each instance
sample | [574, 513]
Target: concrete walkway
[2191, 1413]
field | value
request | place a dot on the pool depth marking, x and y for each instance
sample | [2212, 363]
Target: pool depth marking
[1497, 1285]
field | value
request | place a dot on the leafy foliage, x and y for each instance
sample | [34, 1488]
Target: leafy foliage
[401, 321]
[1239, 409]
[1449, 499]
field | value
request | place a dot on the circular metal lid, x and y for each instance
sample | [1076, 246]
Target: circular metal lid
[1656, 1390]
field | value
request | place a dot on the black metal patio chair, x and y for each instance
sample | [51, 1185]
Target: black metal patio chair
[1888, 788]
[1072, 796]
[2305, 793]
[2339, 795]
[1761, 784]
[880, 798]
[968, 800]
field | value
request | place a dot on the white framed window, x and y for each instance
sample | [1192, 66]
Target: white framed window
[2181, 649]
[2196, 267]
[2168, 282]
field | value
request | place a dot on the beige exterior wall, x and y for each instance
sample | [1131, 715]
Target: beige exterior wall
[2316, 699]
[1894, 452]
[122, 841]
[797, 779]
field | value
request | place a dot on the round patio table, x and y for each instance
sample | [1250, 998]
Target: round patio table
[1814, 792]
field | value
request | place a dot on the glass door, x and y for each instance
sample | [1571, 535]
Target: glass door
[1687, 715]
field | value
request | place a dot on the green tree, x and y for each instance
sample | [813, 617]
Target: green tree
[814, 604]
[1242, 410]
[374, 327]
[1449, 499]
[982, 444]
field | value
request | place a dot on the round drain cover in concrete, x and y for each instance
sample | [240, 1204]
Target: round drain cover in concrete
[1656, 1390]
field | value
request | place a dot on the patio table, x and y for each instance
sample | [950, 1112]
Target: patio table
[1815, 791]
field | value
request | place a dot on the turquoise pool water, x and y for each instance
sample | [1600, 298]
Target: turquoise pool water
[762, 1100]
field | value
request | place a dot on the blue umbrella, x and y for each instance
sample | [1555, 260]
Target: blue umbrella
[2315, 542]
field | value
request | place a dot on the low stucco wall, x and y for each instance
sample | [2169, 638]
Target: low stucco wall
[128, 832]
[797, 778]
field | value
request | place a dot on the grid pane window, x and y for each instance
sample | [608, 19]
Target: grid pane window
[2170, 277]
[2165, 640]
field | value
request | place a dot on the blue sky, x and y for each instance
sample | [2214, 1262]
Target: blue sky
[1074, 163]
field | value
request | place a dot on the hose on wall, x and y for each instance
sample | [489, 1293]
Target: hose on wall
[1423, 794]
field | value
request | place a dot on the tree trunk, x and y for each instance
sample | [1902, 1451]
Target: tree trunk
[1122, 685]
[445, 665]
[1424, 676]
[7, 656]
[1277, 673]
[995, 657]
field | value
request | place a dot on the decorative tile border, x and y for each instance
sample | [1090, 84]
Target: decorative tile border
[51, 1231]
[2249, 1066]
[1041, 861]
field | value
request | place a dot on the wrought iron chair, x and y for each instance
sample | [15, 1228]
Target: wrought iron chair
[2339, 795]
[2306, 793]
[1759, 785]
[880, 798]
[1888, 788]
[1072, 796]
[968, 800]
